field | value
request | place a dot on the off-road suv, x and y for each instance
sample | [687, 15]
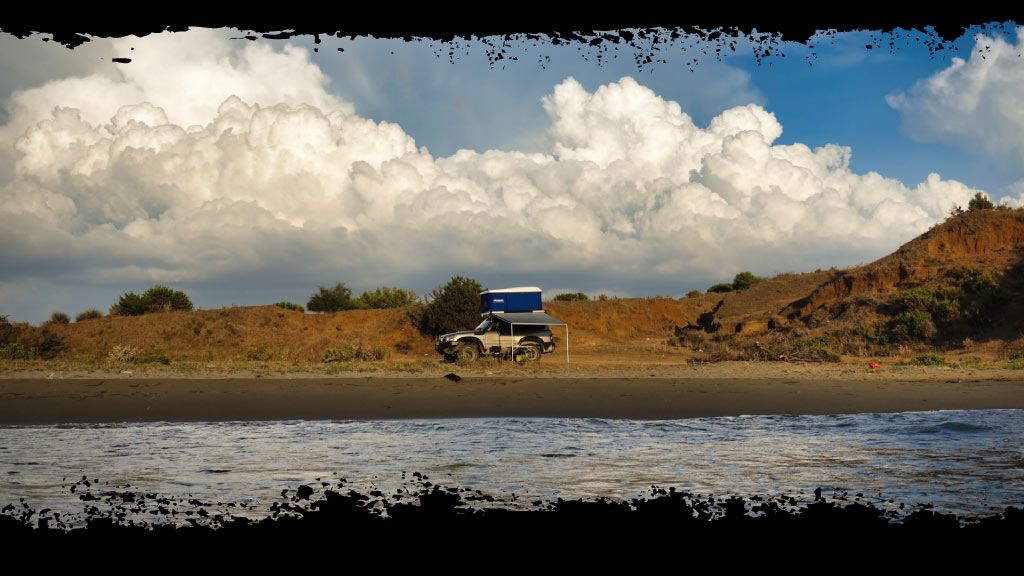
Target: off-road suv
[493, 337]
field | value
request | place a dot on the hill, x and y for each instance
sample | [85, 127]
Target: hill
[954, 291]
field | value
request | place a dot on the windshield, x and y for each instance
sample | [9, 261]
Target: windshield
[483, 326]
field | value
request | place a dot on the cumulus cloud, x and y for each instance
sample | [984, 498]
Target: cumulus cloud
[294, 186]
[978, 102]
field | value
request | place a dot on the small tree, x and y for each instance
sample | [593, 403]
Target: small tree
[290, 306]
[454, 306]
[980, 202]
[130, 304]
[571, 296]
[384, 297]
[59, 317]
[720, 288]
[745, 280]
[331, 299]
[156, 299]
[161, 298]
[89, 314]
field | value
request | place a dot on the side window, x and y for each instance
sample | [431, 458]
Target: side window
[504, 329]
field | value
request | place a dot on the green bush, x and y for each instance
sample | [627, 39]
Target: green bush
[130, 304]
[980, 202]
[22, 341]
[90, 314]
[156, 299]
[60, 318]
[876, 333]
[380, 353]
[745, 280]
[333, 299]
[930, 359]
[17, 351]
[383, 298]
[343, 354]
[917, 299]
[721, 288]
[973, 280]
[154, 359]
[914, 324]
[161, 299]
[815, 348]
[571, 296]
[290, 306]
[454, 306]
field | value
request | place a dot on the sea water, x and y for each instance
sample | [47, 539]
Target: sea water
[966, 462]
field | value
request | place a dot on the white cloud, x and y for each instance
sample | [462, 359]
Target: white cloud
[978, 102]
[178, 185]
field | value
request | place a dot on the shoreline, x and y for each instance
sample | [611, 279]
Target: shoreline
[154, 398]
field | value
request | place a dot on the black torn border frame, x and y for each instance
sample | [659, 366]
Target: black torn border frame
[767, 25]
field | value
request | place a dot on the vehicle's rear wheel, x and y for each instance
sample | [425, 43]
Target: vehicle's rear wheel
[528, 353]
[467, 353]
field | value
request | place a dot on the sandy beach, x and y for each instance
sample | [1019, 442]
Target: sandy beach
[722, 392]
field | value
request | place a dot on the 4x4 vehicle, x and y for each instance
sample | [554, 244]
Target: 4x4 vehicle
[493, 337]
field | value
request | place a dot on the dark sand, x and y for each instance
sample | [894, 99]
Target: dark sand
[51, 401]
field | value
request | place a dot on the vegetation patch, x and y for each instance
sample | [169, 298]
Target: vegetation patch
[155, 359]
[123, 354]
[745, 280]
[342, 354]
[333, 299]
[930, 359]
[454, 306]
[914, 325]
[259, 354]
[571, 297]
[383, 298]
[349, 353]
[875, 333]
[339, 298]
[973, 280]
[156, 299]
[60, 318]
[90, 314]
[290, 306]
[816, 348]
[20, 341]
[980, 202]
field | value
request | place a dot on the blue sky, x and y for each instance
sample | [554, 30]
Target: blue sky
[839, 96]
[251, 172]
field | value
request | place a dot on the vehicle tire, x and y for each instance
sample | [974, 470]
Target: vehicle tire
[532, 352]
[467, 353]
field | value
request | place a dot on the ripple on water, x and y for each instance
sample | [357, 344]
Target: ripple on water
[954, 459]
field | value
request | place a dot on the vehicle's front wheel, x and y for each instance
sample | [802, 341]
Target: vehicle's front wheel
[467, 353]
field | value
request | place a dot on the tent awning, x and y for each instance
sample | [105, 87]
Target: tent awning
[528, 318]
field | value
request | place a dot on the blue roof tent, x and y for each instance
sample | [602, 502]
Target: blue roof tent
[522, 299]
